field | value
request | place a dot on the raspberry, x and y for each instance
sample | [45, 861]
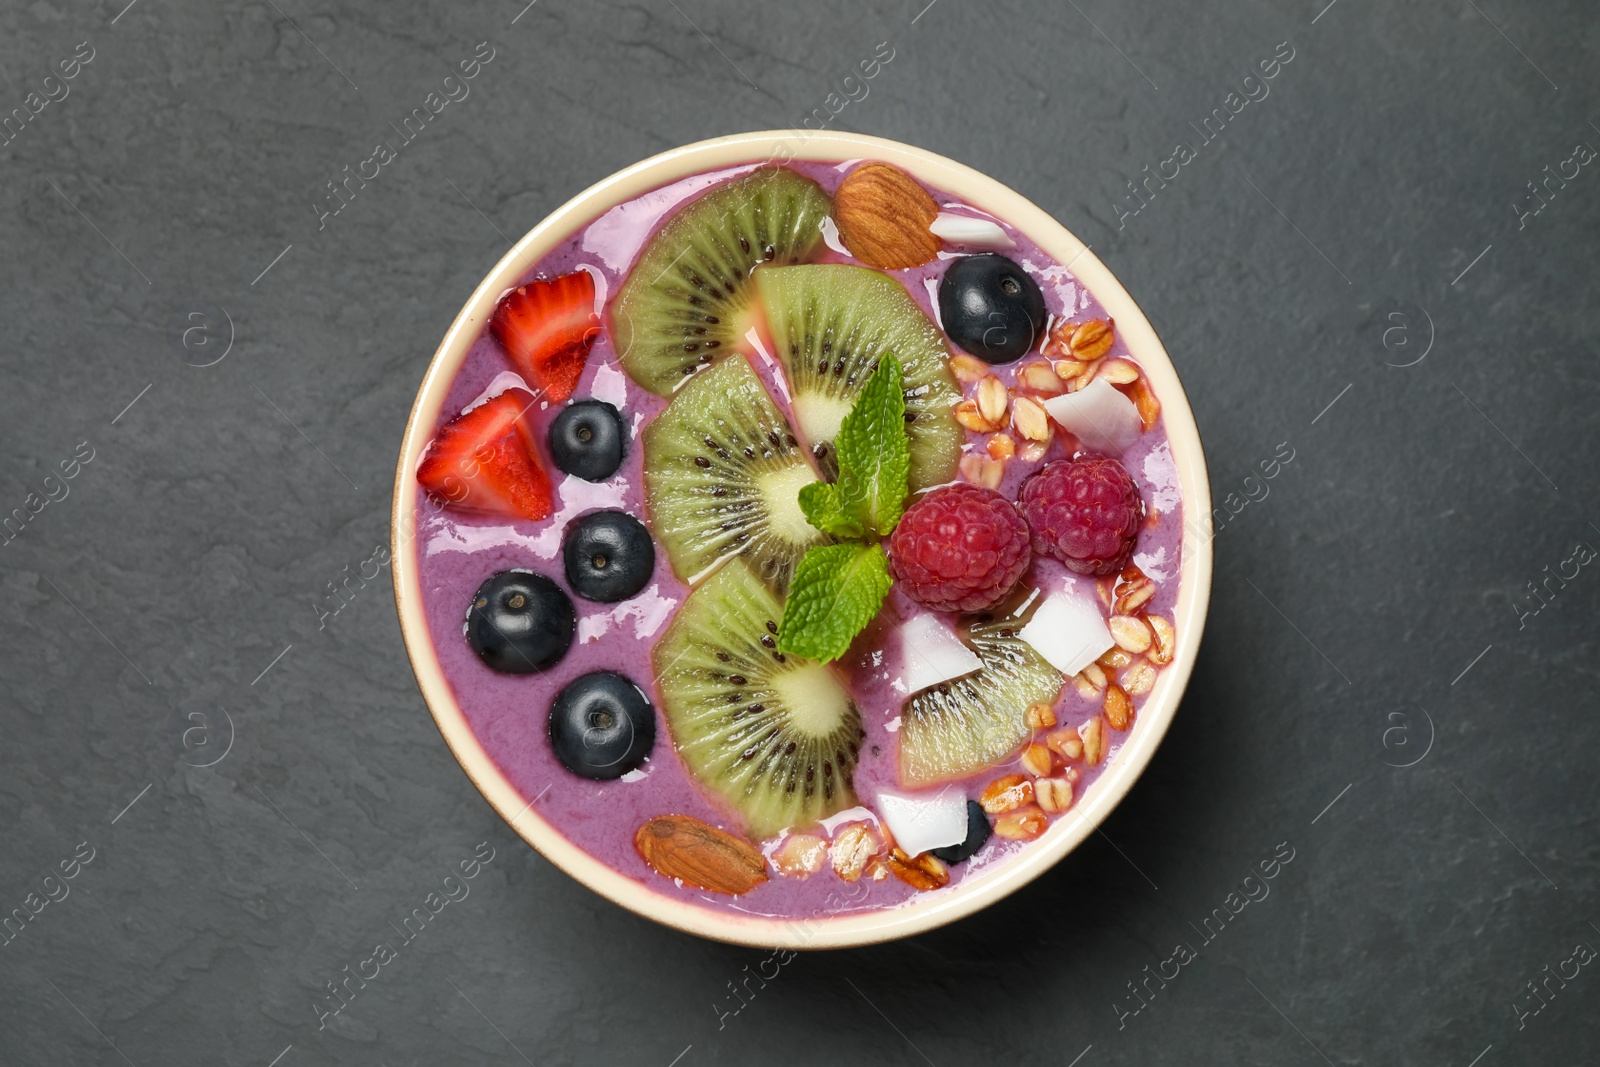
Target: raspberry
[960, 548]
[1084, 512]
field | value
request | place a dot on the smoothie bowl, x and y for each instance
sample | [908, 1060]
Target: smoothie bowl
[801, 540]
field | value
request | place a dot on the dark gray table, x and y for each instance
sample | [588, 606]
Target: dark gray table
[1352, 264]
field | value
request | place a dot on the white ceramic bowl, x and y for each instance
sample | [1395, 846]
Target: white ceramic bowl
[970, 894]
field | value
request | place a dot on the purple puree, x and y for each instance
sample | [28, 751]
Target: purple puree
[508, 713]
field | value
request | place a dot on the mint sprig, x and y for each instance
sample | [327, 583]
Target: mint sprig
[875, 452]
[836, 592]
[823, 506]
[838, 589]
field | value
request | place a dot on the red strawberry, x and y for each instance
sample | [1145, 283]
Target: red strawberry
[547, 328]
[488, 461]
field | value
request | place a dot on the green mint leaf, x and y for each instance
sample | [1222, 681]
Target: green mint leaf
[875, 452]
[837, 590]
[824, 509]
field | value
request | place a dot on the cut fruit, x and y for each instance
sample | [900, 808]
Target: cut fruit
[1099, 416]
[687, 299]
[830, 323]
[487, 460]
[955, 730]
[776, 736]
[547, 328]
[1069, 631]
[921, 823]
[931, 653]
[722, 478]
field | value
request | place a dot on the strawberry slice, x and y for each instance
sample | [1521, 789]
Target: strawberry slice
[488, 461]
[547, 328]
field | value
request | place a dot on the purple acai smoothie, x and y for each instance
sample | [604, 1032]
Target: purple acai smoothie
[457, 550]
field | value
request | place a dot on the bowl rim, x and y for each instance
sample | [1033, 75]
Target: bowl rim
[920, 913]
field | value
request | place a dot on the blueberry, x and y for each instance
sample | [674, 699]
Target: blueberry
[991, 308]
[602, 726]
[520, 622]
[586, 440]
[977, 834]
[608, 555]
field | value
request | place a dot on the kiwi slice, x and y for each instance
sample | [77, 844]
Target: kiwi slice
[958, 728]
[722, 477]
[776, 736]
[687, 299]
[830, 323]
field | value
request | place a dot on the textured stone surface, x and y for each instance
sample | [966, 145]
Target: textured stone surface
[191, 551]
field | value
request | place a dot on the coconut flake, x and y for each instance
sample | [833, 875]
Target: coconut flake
[920, 822]
[966, 230]
[1099, 416]
[1069, 631]
[931, 653]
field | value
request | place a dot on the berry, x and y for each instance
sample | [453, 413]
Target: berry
[990, 307]
[487, 461]
[1084, 512]
[547, 327]
[602, 726]
[977, 835]
[608, 556]
[520, 622]
[586, 440]
[960, 548]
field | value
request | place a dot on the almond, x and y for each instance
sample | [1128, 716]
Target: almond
[922, 872]
[883, 216]
[682, 847]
